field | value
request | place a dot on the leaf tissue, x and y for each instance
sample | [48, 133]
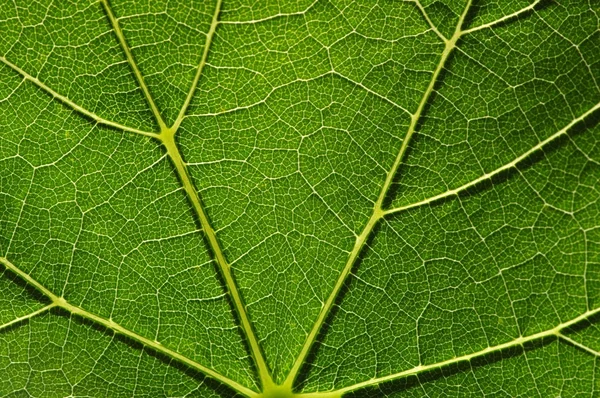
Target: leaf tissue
[307, 198]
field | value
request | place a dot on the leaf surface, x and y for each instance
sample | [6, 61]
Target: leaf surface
[307, 198]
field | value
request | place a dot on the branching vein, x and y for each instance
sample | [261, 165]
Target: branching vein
[378, 211]
[515, 14]
[209, 38]
[520, 341]
[28, 316]
[578, 345]
[115, 327]
[429, 22]
[499, 170]
[72, 104]
[280, 15]
[167, 137]
[115, 24]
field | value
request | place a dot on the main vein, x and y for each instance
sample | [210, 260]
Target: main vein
[168, 140]
[378, 211]
[60, 302]
[167, 137]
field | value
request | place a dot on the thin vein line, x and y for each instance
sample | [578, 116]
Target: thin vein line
[431, 25]
[377, 211]
[499, 170]
[115, 327]
[209, 38]
[281, 15]
[503, 19]
[115, 24]
[28, 316]
[72, 104]
[578, 345]
[368, 90]
[520, 341]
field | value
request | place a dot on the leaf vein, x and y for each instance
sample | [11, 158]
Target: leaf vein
[115, 327]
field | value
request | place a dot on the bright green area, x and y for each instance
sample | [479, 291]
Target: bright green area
[301, 199]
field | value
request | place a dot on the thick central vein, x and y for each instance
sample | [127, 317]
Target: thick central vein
[180, 167]
[167, 137]
[378, 211]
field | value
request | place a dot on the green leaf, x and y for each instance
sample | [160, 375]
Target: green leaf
[310, 198]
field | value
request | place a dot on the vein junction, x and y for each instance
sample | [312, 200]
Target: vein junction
[167, 138]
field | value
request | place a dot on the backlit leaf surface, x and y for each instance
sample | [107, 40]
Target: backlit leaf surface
[310, 198]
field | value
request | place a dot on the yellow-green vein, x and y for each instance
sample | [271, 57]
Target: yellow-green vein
[167, 137]
[73, 105]
[519, 341]
[168, 140]
[515, 162]
[192, 90]
[28, 316]
[505, 18]
[60, 302]
[115, 24]
[378, 211]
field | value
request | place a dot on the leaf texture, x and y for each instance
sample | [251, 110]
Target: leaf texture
[313, 198]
